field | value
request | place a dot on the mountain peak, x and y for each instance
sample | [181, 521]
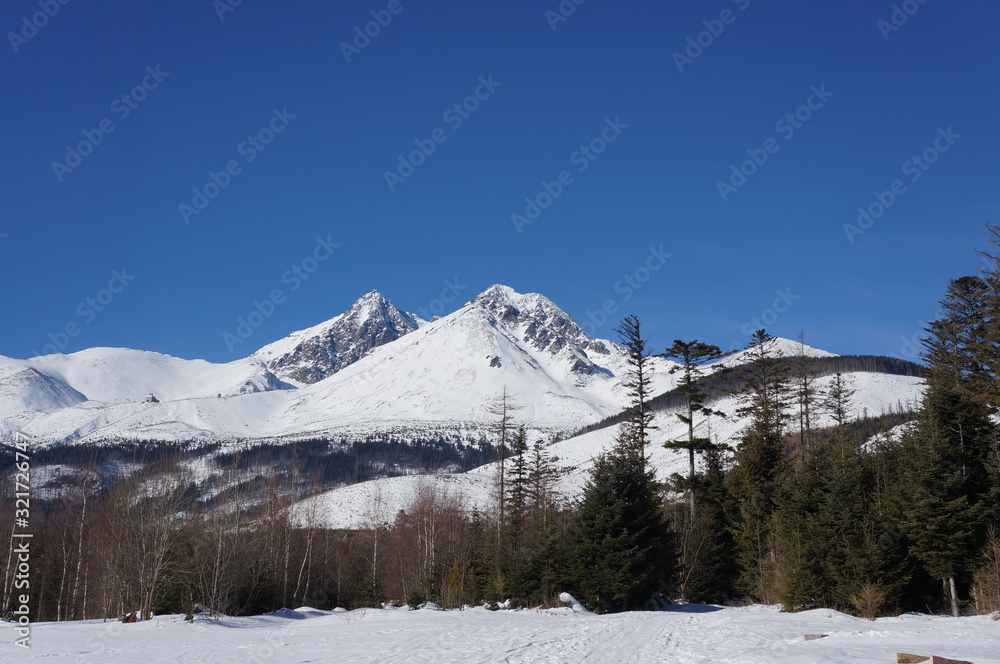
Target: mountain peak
[371, 296]
[313, 354]
[498, 293]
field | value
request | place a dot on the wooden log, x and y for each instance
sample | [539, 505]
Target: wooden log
[813, 637]
[907, 658]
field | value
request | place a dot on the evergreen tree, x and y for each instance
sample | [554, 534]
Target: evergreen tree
[985, 343]
[514, 533]
[947, 462]
[836, 399]
[619, 542]
[692, 356]
[760, 463]
[703, 541]
[640, 416]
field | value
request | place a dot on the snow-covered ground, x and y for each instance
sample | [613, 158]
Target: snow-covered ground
[690, 634]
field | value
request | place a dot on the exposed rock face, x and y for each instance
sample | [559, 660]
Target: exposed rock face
[544, 326]
[312, 355]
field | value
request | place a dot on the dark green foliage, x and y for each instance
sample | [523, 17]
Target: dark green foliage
[369, 594]
[692, 356]
[704, 545]
[638, 422]
[619, 548]
[760, 465]
[946, 472]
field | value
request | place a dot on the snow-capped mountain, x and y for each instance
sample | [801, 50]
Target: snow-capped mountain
[371, 369]
[310, 355]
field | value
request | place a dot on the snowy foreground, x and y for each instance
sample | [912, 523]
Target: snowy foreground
[694, 633]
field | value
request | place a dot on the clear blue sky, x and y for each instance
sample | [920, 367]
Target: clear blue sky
[63, 233]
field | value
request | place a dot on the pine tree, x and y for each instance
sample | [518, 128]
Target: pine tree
[947, 458]
[619, 541]
[514, 533]
[836, 399]
[760, 463]
[692, 356]
[985, 345]
[640, 420]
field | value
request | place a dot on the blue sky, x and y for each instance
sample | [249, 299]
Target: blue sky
[158, 97]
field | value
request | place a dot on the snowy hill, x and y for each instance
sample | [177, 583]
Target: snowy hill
[352, 506]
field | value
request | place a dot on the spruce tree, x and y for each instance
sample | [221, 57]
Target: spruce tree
[692, 357]
[638, 383]
[760, 463]
[947, 463]
[619, 542]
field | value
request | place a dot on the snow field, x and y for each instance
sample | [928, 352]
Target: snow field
[690, 634]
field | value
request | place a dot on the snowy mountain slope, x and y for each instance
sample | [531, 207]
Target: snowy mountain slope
[27, 389]
[433, 377]
[310, 355]
[345, 507]
[450, 369]
[391, 373]
[777, 347]
[121, 374]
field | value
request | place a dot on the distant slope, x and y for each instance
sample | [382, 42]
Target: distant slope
[344, 507]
